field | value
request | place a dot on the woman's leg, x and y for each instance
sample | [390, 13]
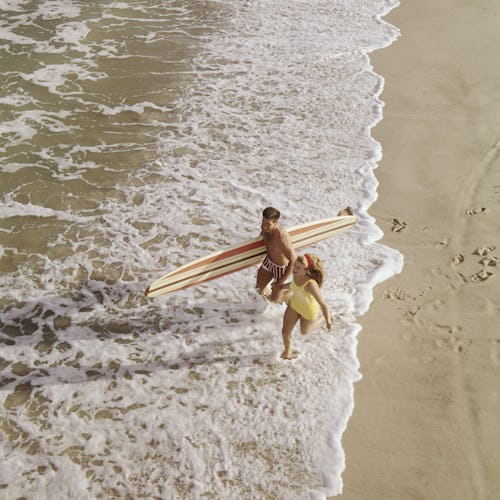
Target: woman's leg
[308, 325]
[290, 319]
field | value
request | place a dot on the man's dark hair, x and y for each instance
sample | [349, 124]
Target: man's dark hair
[271, 213]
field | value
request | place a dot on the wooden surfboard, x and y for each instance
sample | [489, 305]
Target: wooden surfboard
[245, 254]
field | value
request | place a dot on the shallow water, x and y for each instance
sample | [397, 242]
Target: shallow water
[136, 136]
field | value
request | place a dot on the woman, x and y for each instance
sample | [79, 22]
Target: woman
[304, 301]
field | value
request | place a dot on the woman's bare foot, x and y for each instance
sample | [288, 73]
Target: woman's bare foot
[289, 355]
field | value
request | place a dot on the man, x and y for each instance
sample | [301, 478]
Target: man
[278, 263]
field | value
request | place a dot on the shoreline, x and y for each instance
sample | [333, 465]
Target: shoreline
[424, 423]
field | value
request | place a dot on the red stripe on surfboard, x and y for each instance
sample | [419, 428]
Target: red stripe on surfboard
[254, 258]
[321, 235]
[245, 248]
[298, 244]
[310, 227]
[210, 278]
[220, 256]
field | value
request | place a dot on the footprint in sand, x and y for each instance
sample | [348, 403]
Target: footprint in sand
[450, 336]
[481, 276]
[450, 279]
[443, 243]
[397, 225]
[398, 294]
[489, 261]
[459, 345]
[410, 317]
[483, 251]
[475, 211]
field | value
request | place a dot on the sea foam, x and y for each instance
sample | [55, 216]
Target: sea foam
[139, 137]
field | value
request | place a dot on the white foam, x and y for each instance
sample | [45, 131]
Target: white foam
[54, 76]
[15, 209]
[16, 100]
[57, 9]
[27, 124]
[12, 5]
[186, 395]
[71, 32]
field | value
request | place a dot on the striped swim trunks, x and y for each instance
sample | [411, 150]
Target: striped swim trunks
[274, 269]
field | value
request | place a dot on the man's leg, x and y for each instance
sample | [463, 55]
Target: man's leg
[264, 277]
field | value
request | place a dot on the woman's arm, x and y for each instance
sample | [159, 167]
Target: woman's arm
[313, 288]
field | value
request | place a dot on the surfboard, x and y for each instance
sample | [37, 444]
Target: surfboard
[244, 255]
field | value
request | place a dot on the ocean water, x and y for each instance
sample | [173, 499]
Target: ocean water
[136, 136]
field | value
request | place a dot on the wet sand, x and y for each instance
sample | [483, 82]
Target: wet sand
[426, 417]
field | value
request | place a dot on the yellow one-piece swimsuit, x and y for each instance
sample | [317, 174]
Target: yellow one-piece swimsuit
[303, 302]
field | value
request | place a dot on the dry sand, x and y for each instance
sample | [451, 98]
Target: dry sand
[426, 422]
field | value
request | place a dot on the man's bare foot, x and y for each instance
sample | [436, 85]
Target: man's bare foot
[266, 293]
[346, 211]
[289, 355]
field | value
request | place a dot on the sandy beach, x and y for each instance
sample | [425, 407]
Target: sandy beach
[426, 417]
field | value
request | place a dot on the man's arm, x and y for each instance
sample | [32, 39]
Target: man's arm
[289, 253]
